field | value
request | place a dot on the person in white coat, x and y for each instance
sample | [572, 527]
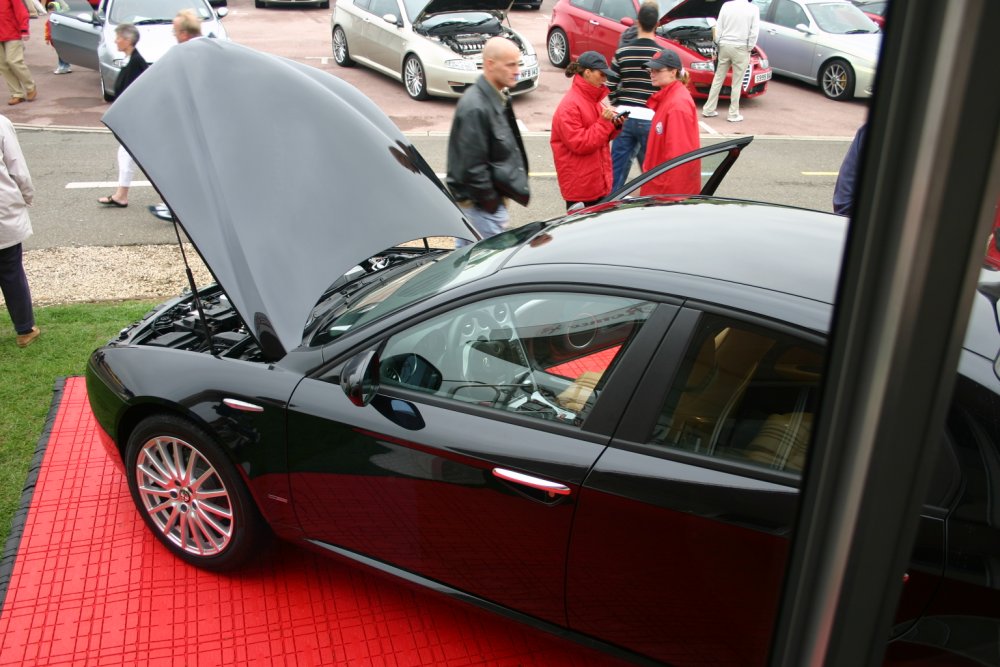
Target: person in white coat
[16, 195]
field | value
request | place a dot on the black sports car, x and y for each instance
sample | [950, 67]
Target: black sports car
[597, 423]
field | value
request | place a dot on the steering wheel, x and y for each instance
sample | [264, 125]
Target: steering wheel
[472, 326]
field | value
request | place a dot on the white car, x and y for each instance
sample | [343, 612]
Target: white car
[85, 36]
[434, 47]
[830, 43]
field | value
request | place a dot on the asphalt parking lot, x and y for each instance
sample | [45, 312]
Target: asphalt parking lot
[802, 136]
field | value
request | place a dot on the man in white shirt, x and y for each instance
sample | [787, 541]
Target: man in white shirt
[735, 35]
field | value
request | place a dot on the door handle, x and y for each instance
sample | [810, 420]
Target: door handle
[593, 22]
[243, 406]
[552, 488]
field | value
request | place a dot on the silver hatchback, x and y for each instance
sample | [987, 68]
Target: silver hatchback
[434, 47]
[830, 43]
[85, 36]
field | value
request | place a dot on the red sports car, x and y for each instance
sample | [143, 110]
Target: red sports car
[873, 9]
[686, 27]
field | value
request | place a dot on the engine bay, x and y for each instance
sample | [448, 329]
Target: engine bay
[179, 326]
[466, 34]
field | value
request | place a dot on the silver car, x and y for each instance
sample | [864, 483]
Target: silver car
[830, 43]
[85, 36]
[434, 47]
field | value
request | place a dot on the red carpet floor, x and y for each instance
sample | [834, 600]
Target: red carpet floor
[86, 584]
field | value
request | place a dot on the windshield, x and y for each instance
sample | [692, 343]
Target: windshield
[841, 18]
[456, 268]
[136, 11]
[413, 8]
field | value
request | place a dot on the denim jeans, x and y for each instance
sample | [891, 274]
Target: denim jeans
[486, 223]
[630, 143]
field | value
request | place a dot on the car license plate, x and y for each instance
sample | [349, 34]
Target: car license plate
[763, 76]
[528, 73]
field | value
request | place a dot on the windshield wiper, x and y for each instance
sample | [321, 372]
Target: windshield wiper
[859, 31]
[152, 21]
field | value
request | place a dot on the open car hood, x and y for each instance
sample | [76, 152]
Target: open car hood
[283, 176]
[693, 9]
[442, 6]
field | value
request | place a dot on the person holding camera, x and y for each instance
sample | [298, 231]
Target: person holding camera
[582, 126]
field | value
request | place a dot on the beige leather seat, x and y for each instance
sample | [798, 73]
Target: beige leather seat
[782, 441]
[718, 377]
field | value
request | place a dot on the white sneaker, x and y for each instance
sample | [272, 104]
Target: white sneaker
[63, 70]
[735, 119]
[709, 114]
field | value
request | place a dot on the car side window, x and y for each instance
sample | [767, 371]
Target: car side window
[586, 5]
[763, 6]
[545, 355]
[382, 7]
[789, 14]
[616, 10]
[743, 393]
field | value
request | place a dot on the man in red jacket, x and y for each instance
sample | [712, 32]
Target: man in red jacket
[13, 35]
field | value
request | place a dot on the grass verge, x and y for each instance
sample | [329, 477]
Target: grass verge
[69, 334]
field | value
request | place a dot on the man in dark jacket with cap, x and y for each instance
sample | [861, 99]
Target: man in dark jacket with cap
[487, 163]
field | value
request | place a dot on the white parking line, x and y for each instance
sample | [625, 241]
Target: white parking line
[88, 185]
[705, 126]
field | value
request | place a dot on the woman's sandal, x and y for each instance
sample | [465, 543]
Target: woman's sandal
[111, 201]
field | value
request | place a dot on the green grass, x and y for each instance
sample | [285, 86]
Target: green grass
[69, 335]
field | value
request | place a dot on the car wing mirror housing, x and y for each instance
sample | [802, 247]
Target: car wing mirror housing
[392, 18]
[802, 27]
[359, 379]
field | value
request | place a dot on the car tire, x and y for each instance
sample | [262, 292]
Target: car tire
[324, 5]
[108, 97]
[341, 52]
[557, 46]
[836, 80]
[414, 78]
[259, 4]
[190, 494]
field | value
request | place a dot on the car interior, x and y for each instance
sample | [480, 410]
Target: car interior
[745, 395]
[545, 355]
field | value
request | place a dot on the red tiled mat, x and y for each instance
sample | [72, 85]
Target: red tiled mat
[89, 585]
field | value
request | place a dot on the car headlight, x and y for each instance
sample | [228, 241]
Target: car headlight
[764, 64]
[119, 62]
[462, 64]
[530, 60]
[703, 65]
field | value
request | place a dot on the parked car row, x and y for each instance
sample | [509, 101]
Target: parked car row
[434, 47]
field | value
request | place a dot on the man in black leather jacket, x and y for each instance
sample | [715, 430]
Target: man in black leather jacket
[487, 163]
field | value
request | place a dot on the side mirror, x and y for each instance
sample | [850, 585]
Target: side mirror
[391, 18]
[627, 21]
[222, 12]
[802, 27]
[359, 379]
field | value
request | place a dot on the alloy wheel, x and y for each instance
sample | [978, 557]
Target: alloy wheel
[558, 48]
[184, 496]
[413, 78]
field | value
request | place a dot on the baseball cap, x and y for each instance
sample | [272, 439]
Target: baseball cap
[664, 59]
[594, 60]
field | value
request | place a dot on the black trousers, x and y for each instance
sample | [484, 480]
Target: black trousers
[14, 284]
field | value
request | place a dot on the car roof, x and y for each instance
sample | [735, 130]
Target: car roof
[778, 248]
